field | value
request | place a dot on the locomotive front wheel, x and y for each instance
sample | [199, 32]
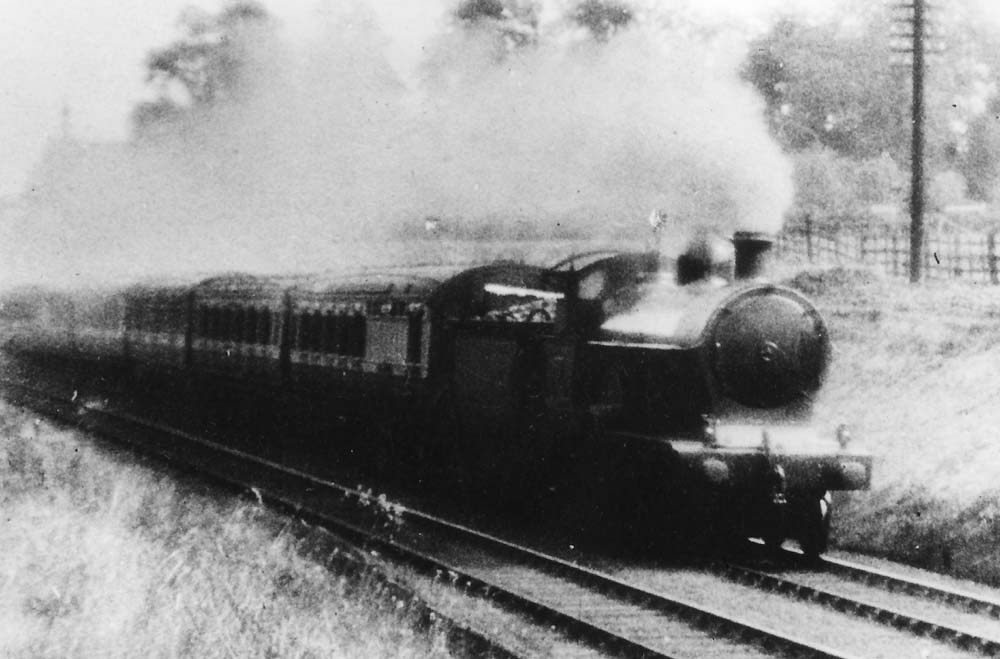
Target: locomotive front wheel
[814, 530]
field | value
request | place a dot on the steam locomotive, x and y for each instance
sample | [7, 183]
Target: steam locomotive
[679, 387]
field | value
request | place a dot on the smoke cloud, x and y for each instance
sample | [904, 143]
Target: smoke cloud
[329, 147]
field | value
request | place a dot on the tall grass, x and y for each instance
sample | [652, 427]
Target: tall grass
[105, 558]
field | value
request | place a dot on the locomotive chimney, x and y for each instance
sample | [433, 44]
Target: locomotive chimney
[752, 249]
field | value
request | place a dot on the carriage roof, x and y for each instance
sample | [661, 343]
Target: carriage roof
[398, 284]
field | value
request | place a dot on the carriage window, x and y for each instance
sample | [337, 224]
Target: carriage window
[250, 326]
[220, 324]
[414, 335]
[185, 313]
[265, 327]
[316, 331]
[343, 333]
[307, 330]
[236, 317]
[173, 316]
[217, 326]
[329, 332]
[239, 324]
[302, 331]
[309, 338]
[330, 325]
[132, 316]
[356, 335]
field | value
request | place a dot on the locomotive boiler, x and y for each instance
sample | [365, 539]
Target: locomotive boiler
[679, 388]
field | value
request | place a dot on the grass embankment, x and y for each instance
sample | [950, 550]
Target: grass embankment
[101, 557]
[916, 374]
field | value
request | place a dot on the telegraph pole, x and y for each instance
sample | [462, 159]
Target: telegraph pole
[913, 28]
[917, 146]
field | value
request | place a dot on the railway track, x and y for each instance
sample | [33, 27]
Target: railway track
[596, 612]
[935, 612]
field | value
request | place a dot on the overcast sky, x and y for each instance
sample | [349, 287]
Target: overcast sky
[88, 56]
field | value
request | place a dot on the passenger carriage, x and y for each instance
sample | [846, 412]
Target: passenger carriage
[238, 325]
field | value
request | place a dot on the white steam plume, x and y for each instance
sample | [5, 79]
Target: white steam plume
[330, 146]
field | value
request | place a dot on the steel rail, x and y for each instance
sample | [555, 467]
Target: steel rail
[883, 615]
[872, 576]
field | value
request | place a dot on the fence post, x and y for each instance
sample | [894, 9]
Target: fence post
[895, 251]
[991, 256]
[809, 237]
[956, 255]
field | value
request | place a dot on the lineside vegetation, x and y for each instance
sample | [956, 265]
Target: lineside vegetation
[915, 374]
[104, 557]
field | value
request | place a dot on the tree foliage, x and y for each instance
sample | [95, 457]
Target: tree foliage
[514, 23]
[602, 17]
[946, 188]
[827, 89]
[980, 160]
[828, 184]
[210, 64]
[839, 86]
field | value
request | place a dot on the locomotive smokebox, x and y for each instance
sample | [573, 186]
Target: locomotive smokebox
[752, 250]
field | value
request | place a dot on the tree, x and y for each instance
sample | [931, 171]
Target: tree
[979, 160]
[830, 187]
[825, 88]
[838, 85]
[878, 181]
[210, 64]
[822, 183]
[602, 17]
[946, 188]
[515, 23]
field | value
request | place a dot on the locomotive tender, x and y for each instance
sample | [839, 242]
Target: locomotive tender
[628, 375]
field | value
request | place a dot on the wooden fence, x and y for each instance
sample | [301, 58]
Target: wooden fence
[967, 256]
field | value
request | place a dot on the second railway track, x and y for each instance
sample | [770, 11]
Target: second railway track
[603, 613]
